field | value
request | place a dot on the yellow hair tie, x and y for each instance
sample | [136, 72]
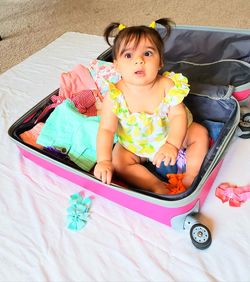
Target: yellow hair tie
[152, 25]
[121, 26]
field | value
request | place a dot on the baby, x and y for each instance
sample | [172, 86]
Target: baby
[147, 113]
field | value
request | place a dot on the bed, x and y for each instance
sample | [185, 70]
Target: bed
[116, 244]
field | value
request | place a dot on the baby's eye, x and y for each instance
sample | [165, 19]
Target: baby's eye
[128, 55]
[148, 53]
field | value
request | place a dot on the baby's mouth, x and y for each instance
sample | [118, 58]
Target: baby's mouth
[139, 72]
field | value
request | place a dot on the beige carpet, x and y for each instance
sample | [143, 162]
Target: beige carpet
[26, 26]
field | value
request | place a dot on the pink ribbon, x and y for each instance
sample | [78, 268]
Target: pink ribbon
[233, 194]
[56, 100]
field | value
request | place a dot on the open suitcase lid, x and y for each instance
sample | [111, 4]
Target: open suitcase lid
[203, 44]
[207, 45]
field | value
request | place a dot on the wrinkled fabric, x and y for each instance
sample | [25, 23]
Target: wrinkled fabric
[73, 132]
[116, 244]
[30, 136]
[76, 80]
[103, 73]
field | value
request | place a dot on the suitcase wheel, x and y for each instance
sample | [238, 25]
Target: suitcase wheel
[246, 117]
[244, 126]
[200, 236]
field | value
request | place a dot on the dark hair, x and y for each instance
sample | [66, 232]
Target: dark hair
[135, 33]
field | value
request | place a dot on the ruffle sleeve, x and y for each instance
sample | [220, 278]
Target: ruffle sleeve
[179, 91]
[115, 95]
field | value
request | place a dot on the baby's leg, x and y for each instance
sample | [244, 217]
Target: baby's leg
[128, 167]
[197, 143]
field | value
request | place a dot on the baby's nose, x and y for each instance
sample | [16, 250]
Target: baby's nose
[139, 60]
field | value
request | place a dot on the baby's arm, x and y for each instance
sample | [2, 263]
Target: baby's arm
[177, 132]
[105, 139]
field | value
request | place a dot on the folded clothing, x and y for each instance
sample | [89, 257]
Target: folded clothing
[73, 133]
[75, 81]
[30, 136]
[103, 72]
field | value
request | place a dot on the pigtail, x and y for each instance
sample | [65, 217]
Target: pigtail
[109, 31]
[167, 23]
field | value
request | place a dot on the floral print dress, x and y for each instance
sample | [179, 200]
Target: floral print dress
[142, 133]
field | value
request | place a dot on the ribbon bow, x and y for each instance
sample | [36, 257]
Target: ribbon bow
[175, 185]
[153, 24]
[121, 26]
[233, 194]
[78, 212]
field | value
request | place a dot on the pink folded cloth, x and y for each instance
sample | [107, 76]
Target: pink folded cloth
[74, 81]
[30, 136]
[233, 194]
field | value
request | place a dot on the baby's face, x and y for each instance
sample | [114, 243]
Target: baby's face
[138, 65]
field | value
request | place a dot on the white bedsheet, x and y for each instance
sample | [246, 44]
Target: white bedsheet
[117, 244]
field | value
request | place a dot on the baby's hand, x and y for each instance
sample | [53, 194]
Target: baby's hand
[104, 171]
[167, 153]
